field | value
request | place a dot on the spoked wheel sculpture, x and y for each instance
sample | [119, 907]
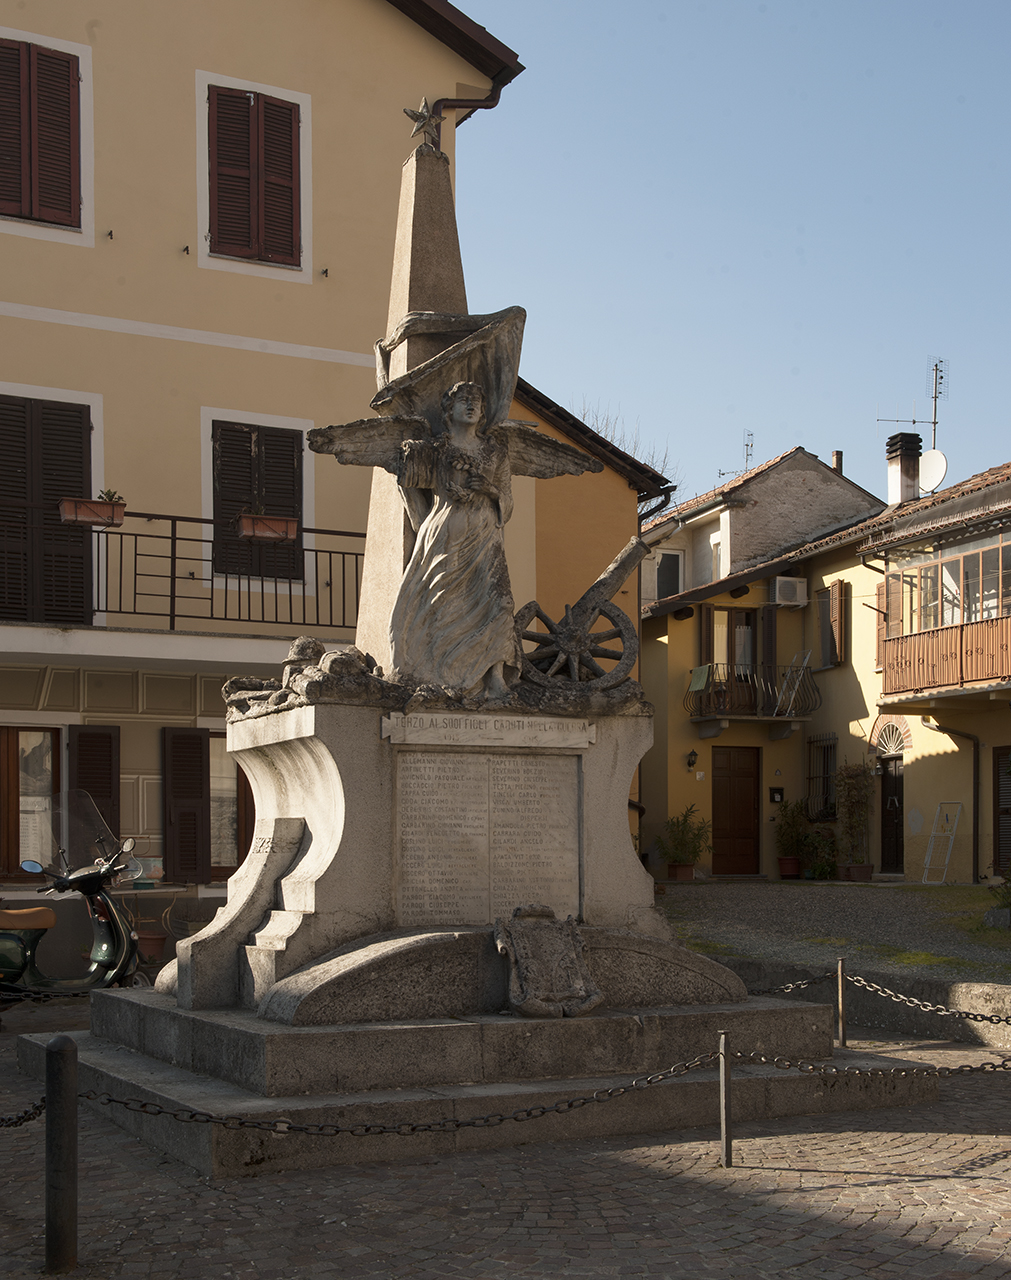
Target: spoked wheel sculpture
[594, 631]
[573, 648]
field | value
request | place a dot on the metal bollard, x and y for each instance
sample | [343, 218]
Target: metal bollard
[726, 1136]
[61, 1154]
[841, 1000]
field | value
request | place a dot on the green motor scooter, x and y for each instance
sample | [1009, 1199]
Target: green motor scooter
[89, 860]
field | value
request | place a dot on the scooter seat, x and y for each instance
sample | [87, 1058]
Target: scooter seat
[28, 918]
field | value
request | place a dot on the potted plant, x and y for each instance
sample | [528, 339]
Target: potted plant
[854, 792]
[792, 839]
[685, 838]
[257, 527]
[107, 510]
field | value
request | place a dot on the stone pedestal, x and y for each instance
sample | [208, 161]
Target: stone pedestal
[370, 821]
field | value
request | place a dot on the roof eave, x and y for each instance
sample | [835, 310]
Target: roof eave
[464, 36]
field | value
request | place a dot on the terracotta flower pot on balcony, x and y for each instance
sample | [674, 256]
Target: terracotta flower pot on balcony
[789, 868]
[680, 871]
[151, 947]
[268, 528]
[856, 871]
[93, 511]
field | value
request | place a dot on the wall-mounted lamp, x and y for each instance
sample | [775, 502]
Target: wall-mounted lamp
[692, 758]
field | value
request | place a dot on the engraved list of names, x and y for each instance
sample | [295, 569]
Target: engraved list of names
[479, 833]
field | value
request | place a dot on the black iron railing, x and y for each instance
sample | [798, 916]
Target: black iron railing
[180, 573]
[742, 689]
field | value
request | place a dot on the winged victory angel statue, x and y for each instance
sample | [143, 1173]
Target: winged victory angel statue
[444, 433]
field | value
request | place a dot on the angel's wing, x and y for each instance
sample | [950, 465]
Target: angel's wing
[534, 454]
[369, 442]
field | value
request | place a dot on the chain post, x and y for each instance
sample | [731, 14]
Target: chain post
[61, 1154]
[726, 1135]
[841, 999]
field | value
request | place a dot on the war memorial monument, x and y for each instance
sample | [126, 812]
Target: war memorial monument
[442, 914]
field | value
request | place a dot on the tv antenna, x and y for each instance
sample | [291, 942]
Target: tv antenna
[937, 389]
[749, 447]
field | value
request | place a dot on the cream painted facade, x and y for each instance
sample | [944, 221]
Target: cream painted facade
[133, 316]
[860, 705]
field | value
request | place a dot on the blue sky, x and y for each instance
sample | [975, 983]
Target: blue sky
[727, 215]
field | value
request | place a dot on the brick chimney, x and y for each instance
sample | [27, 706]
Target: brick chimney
[903, 453]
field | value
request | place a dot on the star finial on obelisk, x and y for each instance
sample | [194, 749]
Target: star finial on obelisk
[425, 122]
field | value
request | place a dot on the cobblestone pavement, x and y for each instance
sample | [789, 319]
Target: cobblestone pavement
[908, 1192]
[813, 922]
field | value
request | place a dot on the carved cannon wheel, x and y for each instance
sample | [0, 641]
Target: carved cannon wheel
[568, 651]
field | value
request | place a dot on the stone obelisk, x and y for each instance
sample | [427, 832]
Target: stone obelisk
[427, 276]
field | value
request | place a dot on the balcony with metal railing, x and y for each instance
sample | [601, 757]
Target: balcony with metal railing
[964, 656]
[178, 574]
[781, 696]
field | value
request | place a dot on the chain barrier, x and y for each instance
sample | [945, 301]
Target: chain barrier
[7, 998]
[816, 1068]
[792, 986]
[23, 1117]
[924, 1005]
[405, 1128]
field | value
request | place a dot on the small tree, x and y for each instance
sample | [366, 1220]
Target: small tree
[854, 792]
[686, 837]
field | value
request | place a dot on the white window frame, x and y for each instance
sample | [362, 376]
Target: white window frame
[245, 266]
[84, 235]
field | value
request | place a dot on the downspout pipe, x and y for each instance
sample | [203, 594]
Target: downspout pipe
[465, 104]
[960, 733]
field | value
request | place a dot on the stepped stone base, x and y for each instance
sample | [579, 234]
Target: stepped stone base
[430, 1070]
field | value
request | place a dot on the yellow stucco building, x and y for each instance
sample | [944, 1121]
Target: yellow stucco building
[197, 215]
[885, 641]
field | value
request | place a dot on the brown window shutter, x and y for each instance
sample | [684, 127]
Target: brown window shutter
[186, 790]
[879, 603]
[770, 690]
[15, 122]
[15, 437]
[234, 448]
[63, 433]
[837, 614]
[705, 633]
[10, 803]
[280, 486]
[56, 136]
[279, 212]
[94, 767]
[233, 148]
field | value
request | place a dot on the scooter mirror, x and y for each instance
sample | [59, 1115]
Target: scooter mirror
[128, 845]
[33, 868]
[131, 871]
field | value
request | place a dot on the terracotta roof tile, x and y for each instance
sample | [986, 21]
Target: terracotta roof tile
[721, 491]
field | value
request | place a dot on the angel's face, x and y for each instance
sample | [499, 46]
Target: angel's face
[467, 407]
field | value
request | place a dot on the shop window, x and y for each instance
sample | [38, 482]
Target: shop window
[207, 807]
[29, 784]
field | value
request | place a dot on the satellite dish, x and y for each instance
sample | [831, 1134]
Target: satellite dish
[933, 469]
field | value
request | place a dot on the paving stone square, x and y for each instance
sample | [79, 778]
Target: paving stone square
[908, 1192]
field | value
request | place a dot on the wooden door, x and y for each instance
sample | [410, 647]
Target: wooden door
[891, 815]
[735, 811]
[1002, 811]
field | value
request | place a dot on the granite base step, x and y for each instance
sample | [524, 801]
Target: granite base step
[277, 1060]
[216, 1151]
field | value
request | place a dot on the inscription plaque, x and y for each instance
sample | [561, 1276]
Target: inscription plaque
[480, 833]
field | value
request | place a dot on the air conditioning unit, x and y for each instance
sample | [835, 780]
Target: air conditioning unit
[789, 591]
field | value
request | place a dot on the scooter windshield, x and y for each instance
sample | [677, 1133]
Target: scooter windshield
[80, 830]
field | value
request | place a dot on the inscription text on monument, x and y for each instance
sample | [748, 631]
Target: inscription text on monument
[480, 833]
